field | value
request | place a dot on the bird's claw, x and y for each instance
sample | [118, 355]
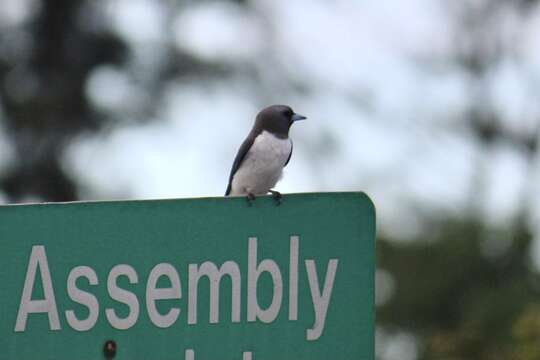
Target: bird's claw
[250, 198]
[276, 195]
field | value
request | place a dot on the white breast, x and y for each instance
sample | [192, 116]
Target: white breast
[263, 165]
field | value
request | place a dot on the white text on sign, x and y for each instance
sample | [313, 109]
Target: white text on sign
[321, 293]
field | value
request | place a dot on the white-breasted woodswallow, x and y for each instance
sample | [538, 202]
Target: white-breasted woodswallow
[259, 163]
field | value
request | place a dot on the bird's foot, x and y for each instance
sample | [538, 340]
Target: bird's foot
[250, 198]
[276, 195]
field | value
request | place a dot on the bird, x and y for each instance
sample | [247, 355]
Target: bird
[260, 160]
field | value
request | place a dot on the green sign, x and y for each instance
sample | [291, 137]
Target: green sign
[193, 279]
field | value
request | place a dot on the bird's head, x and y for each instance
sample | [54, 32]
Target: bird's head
[277, 119]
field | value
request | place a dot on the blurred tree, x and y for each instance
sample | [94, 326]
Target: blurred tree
[43, 95]
[468, 290]
[482, 45]
[526, 334]
[462, 293]
[45, 64]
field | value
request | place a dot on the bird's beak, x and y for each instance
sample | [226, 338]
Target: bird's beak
[298, 117]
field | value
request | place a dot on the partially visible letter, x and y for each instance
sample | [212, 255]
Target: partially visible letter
[254, 271]
[82, 297]
[293, 278]
[320, 302]
[153, 294]
[214, 275]
[38, 258]
[123, 296]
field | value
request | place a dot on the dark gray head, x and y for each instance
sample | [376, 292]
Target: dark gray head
[277, 119]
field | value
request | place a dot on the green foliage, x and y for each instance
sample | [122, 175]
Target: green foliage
[462, 300]
[526, 334]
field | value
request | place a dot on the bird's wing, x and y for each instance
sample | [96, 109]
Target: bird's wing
[240, 156]
[290, 154]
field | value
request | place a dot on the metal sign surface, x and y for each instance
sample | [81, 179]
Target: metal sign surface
[193, 279]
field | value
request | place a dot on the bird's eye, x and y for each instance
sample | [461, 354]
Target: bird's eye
[288, 112]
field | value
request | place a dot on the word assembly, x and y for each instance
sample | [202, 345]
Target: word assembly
[180, 304]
